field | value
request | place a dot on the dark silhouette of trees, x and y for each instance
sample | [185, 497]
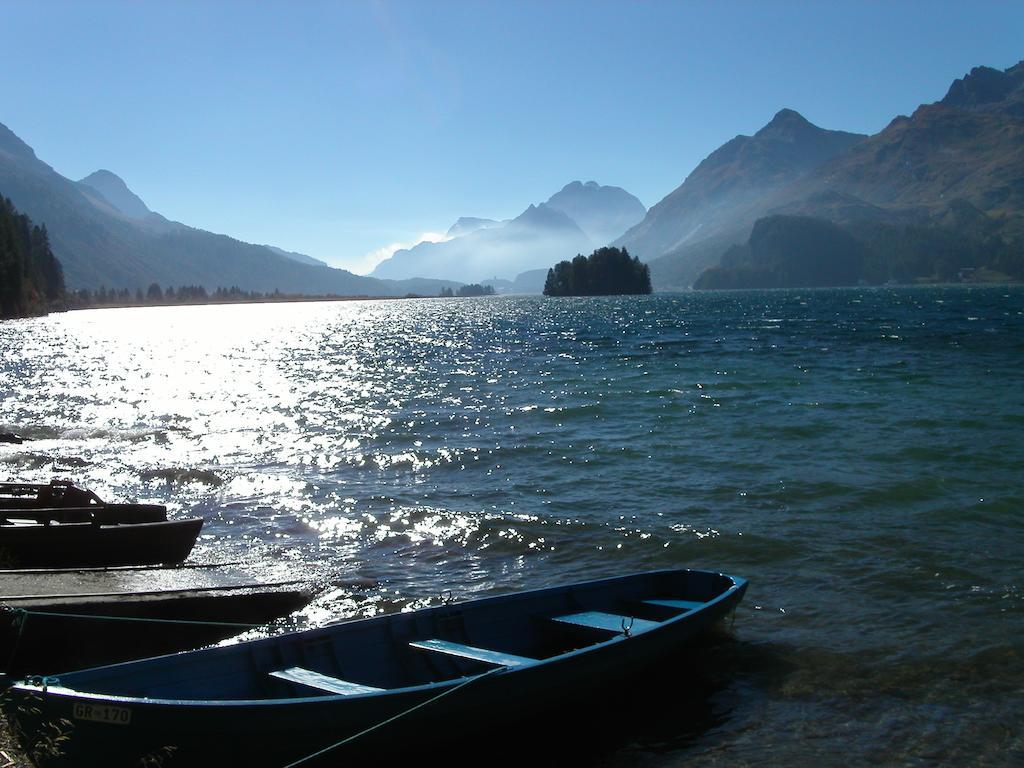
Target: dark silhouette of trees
[473, 289]
[605, 272]
[801, 252]
[31, 277]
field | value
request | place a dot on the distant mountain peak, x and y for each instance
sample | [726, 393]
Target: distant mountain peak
[116, 192]
[602, 212]
[984, 85]
[787, 115]
[729, 189]
[787, 124]
[547, 216]
[105, 175]
[467, 224]
[577, 185]
[14, 146]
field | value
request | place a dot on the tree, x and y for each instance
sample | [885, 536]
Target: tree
[475, 289]
[31, 277]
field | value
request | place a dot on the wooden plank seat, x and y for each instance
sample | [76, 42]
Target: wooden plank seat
[682, 605]
[497, 658]
[609, 622]
[321, 682]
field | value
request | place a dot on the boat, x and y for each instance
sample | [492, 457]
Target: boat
[59, 525]
[53, 621]
[41, 539]
[66, 502]
[425, 679]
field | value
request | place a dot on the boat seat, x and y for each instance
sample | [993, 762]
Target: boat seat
[682, 605]
[497, 658]
[313, 679]
[609, 622]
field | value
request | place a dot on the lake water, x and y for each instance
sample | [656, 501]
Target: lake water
[857, 454]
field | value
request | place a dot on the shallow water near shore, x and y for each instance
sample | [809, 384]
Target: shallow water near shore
[855, 453]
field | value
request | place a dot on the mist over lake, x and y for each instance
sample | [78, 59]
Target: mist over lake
[855, 453]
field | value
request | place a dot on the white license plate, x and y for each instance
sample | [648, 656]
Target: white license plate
[103, 713]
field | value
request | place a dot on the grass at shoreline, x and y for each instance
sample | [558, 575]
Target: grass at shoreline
[10, 755]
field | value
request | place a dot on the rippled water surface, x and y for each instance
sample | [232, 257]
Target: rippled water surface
[856, 454]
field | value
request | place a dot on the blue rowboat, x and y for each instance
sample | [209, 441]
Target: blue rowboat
[373, 686]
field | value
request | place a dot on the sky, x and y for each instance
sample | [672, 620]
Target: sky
[345, 129]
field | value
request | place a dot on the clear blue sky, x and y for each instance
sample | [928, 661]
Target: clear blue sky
[336, 128]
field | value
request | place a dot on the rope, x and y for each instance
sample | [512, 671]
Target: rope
[392, 719]
[20, 616]
[23, 613]
[42, 681]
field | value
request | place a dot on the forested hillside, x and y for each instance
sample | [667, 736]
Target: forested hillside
[31, 278]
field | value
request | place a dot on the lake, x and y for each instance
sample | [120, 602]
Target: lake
[857, 454]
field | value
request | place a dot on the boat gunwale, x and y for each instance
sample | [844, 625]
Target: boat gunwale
[56, 525]
[59, 691]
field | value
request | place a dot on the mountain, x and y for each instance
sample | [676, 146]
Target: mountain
[537, 238]
[985, 87]
[116, 192]
[967, 147]
[299, 257]
[572, 221]
[603, 213]
[936, 196]
[731, 188]
[105, 236]
[467, 224]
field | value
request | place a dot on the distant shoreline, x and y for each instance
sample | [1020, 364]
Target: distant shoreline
[250, 300]
[1007, 281]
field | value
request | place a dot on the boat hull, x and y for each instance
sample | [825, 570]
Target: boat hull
[93, 544]
[111, 730]
[57, 633]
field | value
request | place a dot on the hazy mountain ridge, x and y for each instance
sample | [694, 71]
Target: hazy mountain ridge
[956, 165]
[730, 189]
[965, 151]
[104, 242]
[572, 221]
[468, 224]
[299, 257]
[936, 196]
[116, 193]
[968, 146]
[602, 212]
[535, 239]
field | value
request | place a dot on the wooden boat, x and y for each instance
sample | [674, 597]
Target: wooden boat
[369, 687]
[64, 501]
[38, 540]
[61, 620]
[59, 525]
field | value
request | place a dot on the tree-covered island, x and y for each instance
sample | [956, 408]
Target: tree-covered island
[605, 272]
[473, 289]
